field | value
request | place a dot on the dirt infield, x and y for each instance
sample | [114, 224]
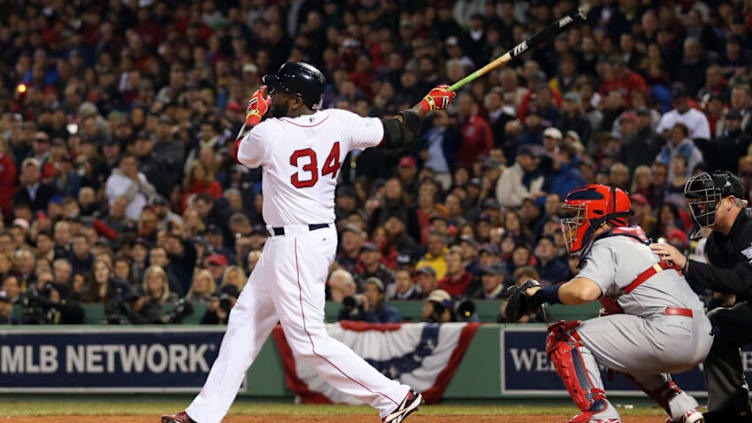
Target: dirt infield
[318, 419]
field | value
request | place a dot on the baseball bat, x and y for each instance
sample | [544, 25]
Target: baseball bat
[556, 28]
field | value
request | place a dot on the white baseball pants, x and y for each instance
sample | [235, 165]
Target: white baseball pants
[287, 285]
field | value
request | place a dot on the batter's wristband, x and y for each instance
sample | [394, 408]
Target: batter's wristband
[428, 103]
[550, 294]
[253, 117]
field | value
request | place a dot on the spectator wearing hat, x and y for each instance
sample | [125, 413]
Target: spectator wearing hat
[215, 243]
[397, 242]
[492, 282]
[694, 121]
[477, 139]
[469, 248]
[566, 175]
[375, 309]
[425, 277]
[349, 248]
[724, 151]
[127, 182]
[436, 249]
[32, 190]
[392, 201]
[521, 180]
[407, 172]
[370, 266]
[551, 268]
[404, 287]
[642, 214]
[641, 147]
[679, 144]
[457, 279]
[572, 118]
[438, 307]
[110, 158]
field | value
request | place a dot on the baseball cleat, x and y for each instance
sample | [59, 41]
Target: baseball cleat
[181, 417]
[691, 416]
[587, 417]
[412, 401]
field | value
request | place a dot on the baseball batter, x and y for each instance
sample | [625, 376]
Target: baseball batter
[301, 149]
[655, 323]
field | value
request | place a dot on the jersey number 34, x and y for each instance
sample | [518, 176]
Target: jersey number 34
[331, 165]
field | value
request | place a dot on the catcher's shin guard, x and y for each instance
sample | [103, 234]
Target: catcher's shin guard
[563, 349]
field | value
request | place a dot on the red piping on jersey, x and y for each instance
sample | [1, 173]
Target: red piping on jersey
[306, 126]
[310, 338]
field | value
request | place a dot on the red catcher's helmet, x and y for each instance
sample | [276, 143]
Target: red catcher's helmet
[586, 208]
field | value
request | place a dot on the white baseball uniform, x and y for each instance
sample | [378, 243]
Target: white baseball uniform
[301, 158]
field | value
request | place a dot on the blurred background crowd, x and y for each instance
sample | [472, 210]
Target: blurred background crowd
[117, 120]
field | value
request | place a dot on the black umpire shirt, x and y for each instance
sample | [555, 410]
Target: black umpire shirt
[731, 258]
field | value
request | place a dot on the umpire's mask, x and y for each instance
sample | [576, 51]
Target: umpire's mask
[704, 191]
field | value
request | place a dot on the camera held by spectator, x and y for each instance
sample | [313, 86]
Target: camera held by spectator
[220, 304]
[438, 308]
[51, 305]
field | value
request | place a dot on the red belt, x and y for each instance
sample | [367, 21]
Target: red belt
[673, 311]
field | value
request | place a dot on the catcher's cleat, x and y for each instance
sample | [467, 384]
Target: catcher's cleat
[181, 417]
[724, 417]
[691, 416]
[412, 401]
[588, 419]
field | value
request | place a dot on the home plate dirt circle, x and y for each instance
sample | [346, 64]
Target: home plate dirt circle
[321, 419]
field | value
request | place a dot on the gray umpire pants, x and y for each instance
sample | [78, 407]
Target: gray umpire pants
[724, 373]
[647, 349]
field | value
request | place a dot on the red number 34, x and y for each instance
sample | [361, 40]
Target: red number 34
[331, 165]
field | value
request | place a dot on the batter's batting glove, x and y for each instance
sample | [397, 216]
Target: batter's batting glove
[257, 106]
[518, 302]
[438, 98]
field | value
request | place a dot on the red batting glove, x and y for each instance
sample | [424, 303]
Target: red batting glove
[438, 98]
[258, 105]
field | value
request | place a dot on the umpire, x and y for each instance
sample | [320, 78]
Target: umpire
[716, 203]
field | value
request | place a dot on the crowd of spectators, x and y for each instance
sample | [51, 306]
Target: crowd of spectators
[117, 120]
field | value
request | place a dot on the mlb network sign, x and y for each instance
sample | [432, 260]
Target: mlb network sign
[107, 360]
[526, 370]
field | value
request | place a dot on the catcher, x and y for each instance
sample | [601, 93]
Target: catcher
[654, 323]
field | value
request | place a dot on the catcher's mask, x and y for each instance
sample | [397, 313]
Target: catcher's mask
[586, 208]
[704, 191]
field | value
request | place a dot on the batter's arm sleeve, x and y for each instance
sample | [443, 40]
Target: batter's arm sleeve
[400, 131]
[735, 280]
[252, 149]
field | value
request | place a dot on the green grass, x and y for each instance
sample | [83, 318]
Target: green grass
[101, 408]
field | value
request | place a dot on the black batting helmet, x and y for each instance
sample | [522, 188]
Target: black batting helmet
[301, 79]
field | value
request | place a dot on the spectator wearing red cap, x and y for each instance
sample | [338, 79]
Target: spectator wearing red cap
[407, 172]
[678, 239]
[642, 214]
[457, 279]
[216, 263]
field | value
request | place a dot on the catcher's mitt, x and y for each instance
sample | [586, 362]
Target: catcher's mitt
[519, 303]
